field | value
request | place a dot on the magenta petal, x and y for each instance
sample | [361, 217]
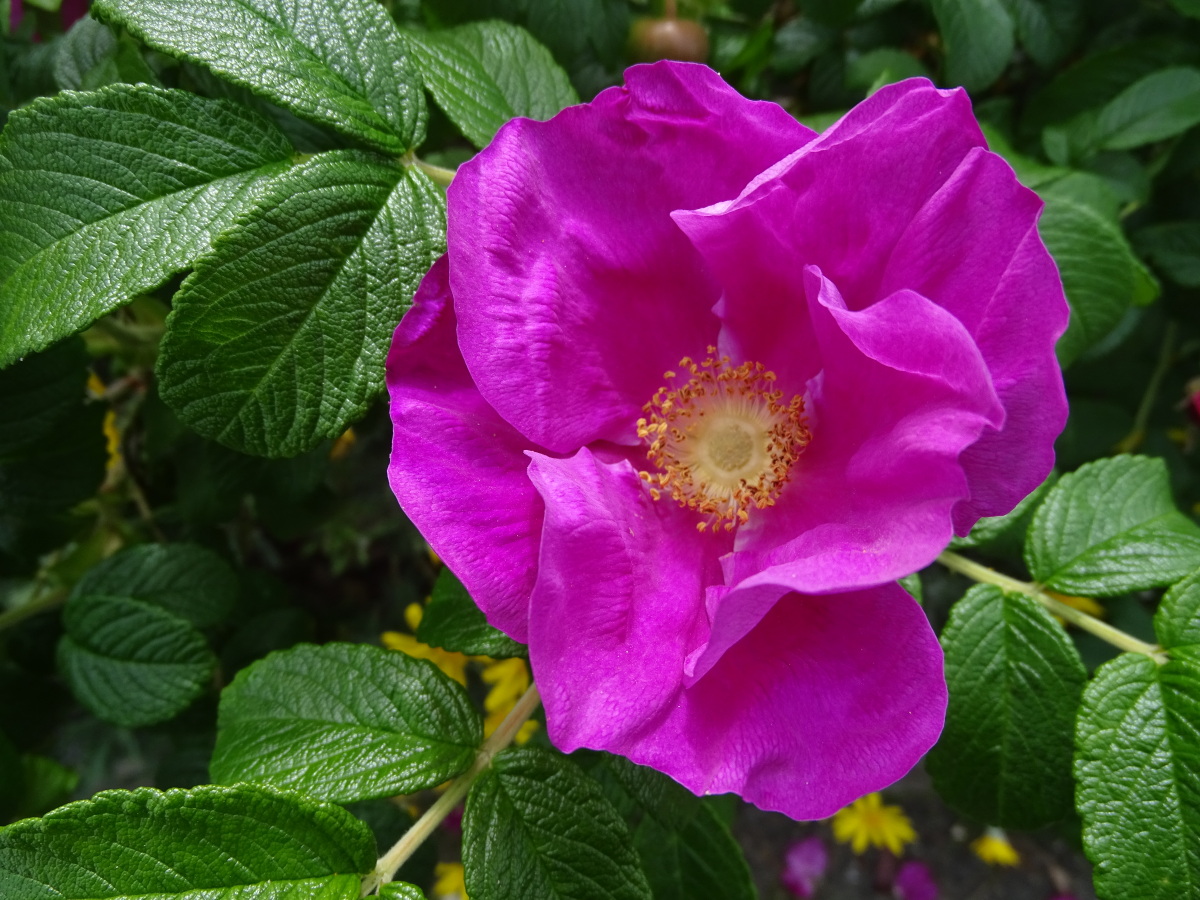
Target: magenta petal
[903, 392]
[608, 651]
[914, 881]
[974, 249]
[574, 289]
[457, 468]
[827, 699]
[804, 866]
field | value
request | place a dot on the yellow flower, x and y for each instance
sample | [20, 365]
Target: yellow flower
[994, 849]
[509, 679]
[453, 664]
[867, 822]
[341, 447]
[448, 882]
[112, 440]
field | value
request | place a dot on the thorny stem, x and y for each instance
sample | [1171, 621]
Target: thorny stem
[391, 861]
[1078, 618]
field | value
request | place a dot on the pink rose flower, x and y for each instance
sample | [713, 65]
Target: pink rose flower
[694, 385]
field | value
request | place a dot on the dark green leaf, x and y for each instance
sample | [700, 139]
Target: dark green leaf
[1174, 247]
[1100, 274]
[979, 40]
[485, 73]
[132, 663]
[11, 786]
[1046, 28]
[1157, 107]
[109, 194]
[452, 621]
[235, 843]
[1109, 528]
[81, 49]
[344, 722]
[189, 581]
[45, 785]
[1188, 7]
[536, 827]
[340, 63]
[883, 65]
[1177, 620]
[1006, 532]
[1138, 768]
[277, 340]
[686, 850]
[1015, 680]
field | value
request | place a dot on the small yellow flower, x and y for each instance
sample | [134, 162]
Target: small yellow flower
[868, 822]
[449, 883]
[112, 440]
[994, 849]
[453, 664]
[509, 679]
[341, 447]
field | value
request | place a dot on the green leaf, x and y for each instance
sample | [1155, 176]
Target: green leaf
[1101, 276]
[452, 621]
[1015, 680]
[395, 890]
[189, 581]
[484, 73]
[1046, 28]
[132, 663]
[1138, 768]
[883, 65]
[246, 842]
[1177, 620]
[1000, 533]
[11, 785]
[1109, 528]
[1156, 107]
[1188, 7]
[979, 39]
[538, 828]
[687, 852]
[107, 195]
[344, 722]
[46, 784]
[340, 63]
[81, 50]
[278, 338]
[1174, 247]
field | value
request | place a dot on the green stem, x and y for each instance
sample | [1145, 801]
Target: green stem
[1078, 618]
[21, 613]
[389, 864]
[1166, 355]
[436, 174]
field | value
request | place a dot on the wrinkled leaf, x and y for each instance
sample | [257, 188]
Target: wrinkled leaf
[452, 621]
[979, 39]
[1157, 107]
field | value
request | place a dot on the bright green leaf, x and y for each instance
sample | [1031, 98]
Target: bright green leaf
[1157, 107]
[1100, 274]
[344, 722]
[485, 73]
[452, 621]
[1015, 680]
[1138, 768]
[1177, 620]
[536, 827]
[189, 581]
[340, 63]
[132, 663]
[1111, 527]
[108, 194]
[278, 338]
[395, 890]
[979, 39]
[245, 842]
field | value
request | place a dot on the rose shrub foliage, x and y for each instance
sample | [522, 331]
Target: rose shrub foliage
[694, 385]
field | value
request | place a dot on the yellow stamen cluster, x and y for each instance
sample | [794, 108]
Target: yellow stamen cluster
[724, 441]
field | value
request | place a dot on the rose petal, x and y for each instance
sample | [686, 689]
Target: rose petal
[457, 468]
[573, 288]
[608, 651]
[903, 392]
[974, 249]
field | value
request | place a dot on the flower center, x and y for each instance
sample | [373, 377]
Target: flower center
[723, 441]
